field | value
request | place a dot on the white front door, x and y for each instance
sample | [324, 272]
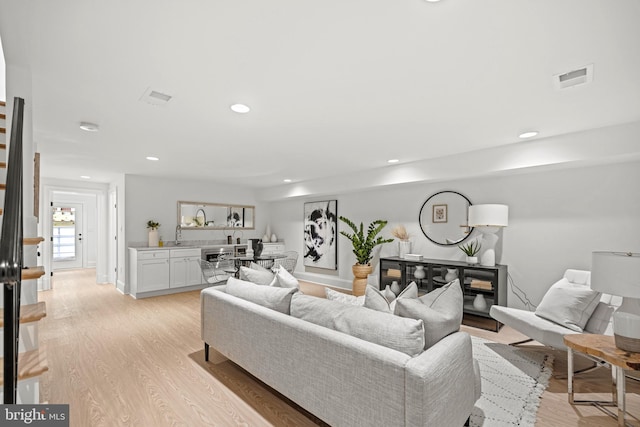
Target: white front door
[67, 235]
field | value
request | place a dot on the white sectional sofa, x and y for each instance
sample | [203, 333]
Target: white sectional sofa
[341, 379]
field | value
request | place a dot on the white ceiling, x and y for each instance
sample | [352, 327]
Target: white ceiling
[335, 87]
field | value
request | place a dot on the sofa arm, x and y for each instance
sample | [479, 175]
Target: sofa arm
[441, 377]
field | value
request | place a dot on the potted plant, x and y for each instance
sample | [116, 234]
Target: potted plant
[471, 249]
[362, 249]
[154, 237]
[404, 245]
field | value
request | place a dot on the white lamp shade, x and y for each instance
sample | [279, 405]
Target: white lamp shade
[616, 273]
[488, 215]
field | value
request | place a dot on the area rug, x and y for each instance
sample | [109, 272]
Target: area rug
[513, 380]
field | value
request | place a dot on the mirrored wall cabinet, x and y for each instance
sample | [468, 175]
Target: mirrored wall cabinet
[215, 216]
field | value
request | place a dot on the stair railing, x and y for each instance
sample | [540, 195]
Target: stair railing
[11, 256]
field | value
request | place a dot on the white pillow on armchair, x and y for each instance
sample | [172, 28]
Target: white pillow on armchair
[568, 304]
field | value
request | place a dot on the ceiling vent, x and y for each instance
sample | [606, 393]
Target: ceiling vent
[154, 97]
[574, 77]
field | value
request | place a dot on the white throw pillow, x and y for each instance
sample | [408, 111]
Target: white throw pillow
[568, 304]
[258, 267]
[256, 276]
[343, 298]
[284, 279]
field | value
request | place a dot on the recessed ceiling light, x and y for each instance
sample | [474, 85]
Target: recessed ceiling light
[287, 180]
[85, 177]
[89, 127]
[432, 1]
[529, 134]
[393, 161]
[240, 108]
[153, 158]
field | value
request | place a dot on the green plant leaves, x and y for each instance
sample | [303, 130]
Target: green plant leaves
[363, 245]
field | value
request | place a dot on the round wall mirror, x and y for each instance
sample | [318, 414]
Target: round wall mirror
[443, 218]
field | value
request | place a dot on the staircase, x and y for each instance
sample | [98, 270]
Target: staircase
[23, 360]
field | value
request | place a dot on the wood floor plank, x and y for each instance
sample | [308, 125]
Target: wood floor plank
[124, 362]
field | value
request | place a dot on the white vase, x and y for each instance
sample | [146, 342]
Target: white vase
[452, 274]
[266, 238]
[395, 287]
[420, 273]
[479, 303]
[154, 238]
[404, 247]
[472, 260]
[274, 238]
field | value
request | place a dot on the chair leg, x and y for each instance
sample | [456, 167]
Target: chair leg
[206, 352]
[521, 342]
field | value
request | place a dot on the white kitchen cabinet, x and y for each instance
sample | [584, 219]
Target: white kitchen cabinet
[163, 271]
[185, 267]
[149, 271]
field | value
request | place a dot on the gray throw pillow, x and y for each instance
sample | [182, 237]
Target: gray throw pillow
[405, 335]
[256, 276]
[273, 297]
[441, 311]
[377, 300]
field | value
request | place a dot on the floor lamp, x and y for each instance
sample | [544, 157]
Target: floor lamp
[488, 219]
[618, 273]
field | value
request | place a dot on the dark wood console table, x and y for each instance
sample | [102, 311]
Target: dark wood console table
[490, 282]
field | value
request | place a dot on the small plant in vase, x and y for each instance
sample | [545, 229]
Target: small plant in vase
[362, 249]
[471, 249]
[404, 245]
[154, 237]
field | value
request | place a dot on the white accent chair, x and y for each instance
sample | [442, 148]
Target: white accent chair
[289, 263]
[551, 334]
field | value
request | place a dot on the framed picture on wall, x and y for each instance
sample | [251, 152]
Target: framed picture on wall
[321, 234]
[439, 213]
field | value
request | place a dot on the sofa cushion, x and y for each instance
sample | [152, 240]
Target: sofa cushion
[343, 298]
[284, 279]
[257, 276]
[273, 297]
[568, 304]
[405, 335]
[440, 309]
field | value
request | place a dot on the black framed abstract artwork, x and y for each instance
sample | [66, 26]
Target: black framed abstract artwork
[321, 234]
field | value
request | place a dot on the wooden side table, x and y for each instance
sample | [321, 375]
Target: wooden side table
[602, 348]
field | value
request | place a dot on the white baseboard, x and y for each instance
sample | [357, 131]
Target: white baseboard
[121, 286]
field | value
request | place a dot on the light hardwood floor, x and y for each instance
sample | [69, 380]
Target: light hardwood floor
[124, 362]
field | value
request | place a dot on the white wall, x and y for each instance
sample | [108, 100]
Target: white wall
[556, 219]
[155, 198]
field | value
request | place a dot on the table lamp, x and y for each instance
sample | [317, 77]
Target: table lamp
[618, 273]
[488, 219]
